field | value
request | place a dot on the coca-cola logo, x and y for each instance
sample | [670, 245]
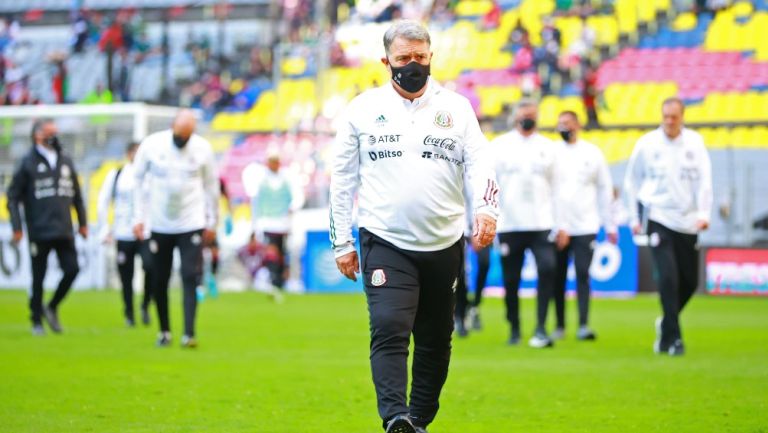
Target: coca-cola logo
[442, 143]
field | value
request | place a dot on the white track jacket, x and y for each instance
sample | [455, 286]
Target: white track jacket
[183, 184]
[672, 179]
[406, 161]
[585, 189]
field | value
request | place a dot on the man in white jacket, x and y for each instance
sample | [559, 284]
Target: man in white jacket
[403, 148]
[525, 166]
[117, 190]
[584, 195]
[668, 183]
[182, 211]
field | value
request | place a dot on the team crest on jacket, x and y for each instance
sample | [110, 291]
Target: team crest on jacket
[65, 172]
[41, 168]
[378, 278]
[444, 120]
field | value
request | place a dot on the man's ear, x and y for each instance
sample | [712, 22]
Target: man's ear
[385, 61]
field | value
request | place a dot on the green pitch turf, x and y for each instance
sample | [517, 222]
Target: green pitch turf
[302, 367]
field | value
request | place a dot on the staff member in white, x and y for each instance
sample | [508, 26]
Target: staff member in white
[406, 145]
[584, 196]
[117, 189]
[525, 165]
[182, 212]
[669, 179]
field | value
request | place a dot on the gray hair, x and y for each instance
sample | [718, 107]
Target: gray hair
[525, 103]
[406, 29]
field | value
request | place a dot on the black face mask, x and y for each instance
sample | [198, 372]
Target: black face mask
[54, 142]
[180, 141]
[528, 124]
[411, 77]
[566, 134]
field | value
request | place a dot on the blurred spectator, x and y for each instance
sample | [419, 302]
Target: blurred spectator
[523, 61]
[589, 96]
[80, 33]
[250, 256]
[492, 19]
[517, 37]
[59, 82]
[112, 42]
[99, 95]
[9, 32]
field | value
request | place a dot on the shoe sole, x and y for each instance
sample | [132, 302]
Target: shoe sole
[401, 426]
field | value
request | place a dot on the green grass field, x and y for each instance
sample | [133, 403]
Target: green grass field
[302, 366]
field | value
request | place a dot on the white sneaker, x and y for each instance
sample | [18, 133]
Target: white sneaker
[540, 340]
[558, 334]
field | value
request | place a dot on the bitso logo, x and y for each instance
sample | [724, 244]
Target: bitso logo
[378, 278]
[444, 120]
[384, 154]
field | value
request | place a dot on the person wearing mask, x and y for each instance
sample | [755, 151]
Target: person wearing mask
[45, 184]
[668, 185]
[584, 195]
[525, 166]
[181, 208]
[404, 148]
[118, 190]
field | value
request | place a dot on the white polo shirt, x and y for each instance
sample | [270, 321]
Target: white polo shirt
[406, 161]
[671, 178]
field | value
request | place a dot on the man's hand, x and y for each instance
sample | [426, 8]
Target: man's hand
[349, 265]
[138, 231]
[17, 235]
[637, 229]
[476, 247]
[702, 225]
[562, 239]
[83, 232]
[613, 237]
[209, 237]
[483, 231]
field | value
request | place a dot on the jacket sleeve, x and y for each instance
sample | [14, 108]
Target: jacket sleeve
[345, 180]
[633, 179]
[479, 168]
[212, 190]
[104, 200]
[704, 193]
[77, 200]
[140, 190]
[16, 193]
[555, 179]
[605, 195]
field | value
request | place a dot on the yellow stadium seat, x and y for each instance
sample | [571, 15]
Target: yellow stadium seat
[472, 8]
[684, 22]
[742, 9]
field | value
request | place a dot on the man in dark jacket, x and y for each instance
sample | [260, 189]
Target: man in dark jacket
[45, 184]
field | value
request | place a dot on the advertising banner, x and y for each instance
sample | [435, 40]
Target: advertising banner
[736, 271]
[613, 270]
